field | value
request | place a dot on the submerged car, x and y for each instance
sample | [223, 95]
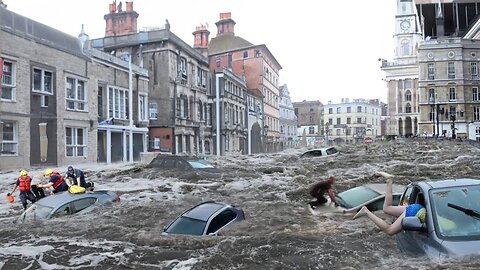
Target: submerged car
[206, 218]
[452, 226]
[185, 165]
[370, 195]
[66, 203]
[320, 152]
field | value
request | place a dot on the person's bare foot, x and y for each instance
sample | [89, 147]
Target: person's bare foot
[362, 212]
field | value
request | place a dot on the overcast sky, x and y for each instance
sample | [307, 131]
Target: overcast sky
[329, 50]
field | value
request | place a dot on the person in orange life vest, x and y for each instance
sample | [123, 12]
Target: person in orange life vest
[55, 180]
[23, 184]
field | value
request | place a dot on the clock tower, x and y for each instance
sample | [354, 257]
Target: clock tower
[407, 29]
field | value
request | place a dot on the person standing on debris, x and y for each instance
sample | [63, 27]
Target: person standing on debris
[77, 177]
[23, 183]
[56, 181]
[318, 191]
[400, 211]
[37, 180]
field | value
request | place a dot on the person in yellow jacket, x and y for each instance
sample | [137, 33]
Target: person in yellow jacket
[24, 185]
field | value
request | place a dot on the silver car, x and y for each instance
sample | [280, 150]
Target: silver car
[65, 203]
[452, 227]
[370, 195]
[207, 218]
[320, 152]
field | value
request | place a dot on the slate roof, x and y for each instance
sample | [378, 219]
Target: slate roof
[227, 42]
[40, 33]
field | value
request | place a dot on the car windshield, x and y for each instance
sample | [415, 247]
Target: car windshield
[36, 211]
[185, 225]
[200, 164]
[356, 196]
[456, 211]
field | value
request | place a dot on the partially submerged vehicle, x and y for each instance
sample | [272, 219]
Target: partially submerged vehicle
[452, 227]
[206, 218]
[185, 164]
[370, 195]
[320, 152]
[66, 203]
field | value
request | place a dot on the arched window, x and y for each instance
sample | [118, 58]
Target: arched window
[408, 108]
[408, 95]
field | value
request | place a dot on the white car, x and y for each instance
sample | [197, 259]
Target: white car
[321, 152]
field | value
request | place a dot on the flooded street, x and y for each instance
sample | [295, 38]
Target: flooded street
[279, 231]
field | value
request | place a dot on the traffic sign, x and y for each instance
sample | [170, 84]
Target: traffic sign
[367, 140]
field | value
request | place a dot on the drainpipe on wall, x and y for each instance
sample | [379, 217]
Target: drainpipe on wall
[217, 109]
[130, 109]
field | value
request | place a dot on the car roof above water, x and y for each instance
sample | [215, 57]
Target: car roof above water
[204, 210]
[443, 183]
[58, 198]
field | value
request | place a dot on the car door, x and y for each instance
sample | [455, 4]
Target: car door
[220, 221]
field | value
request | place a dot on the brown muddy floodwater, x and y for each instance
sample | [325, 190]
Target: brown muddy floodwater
[279, 231]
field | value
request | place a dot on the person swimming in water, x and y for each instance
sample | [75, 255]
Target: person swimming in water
[399, 211]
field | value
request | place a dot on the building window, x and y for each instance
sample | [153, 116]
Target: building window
[452, 94]
[245, 55]
[311, 130]
[8, 81]
[339, 121]
[201, 78]
[359, 108]
[142, 107]
[408, 108]
[349, 120]
[152, 108]
[405, 47]
[431, 95]
[475, 93]
[451, 70]
[330, 110]
[76, 96]
[156, 143]
[474, 70]
[75, 141]
[476, 113]
[359, 120]
[338, 131]
[42, 81]
[9, 137]
[349, 109]
[217, 61]
[339, 109]
[117, 103]
[408, 96]
[330, 121]
[431, 71]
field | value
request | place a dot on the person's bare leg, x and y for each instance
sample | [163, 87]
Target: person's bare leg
[389, 229]
[388, 208]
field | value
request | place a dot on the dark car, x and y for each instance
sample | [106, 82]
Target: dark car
[452, 227]
[370, 195]
[65, 203]
[320, 152]
[185, 165]
[207, 218]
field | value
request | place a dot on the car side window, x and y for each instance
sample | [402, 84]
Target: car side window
[221, 220]
[63, 211]
[182, 165]
[79, 205]
[405, 199]
[376, 205]
[331, 151]
[168, 163]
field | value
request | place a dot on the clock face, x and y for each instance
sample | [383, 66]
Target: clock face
[404, 25]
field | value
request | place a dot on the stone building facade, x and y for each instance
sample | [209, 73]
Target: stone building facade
[310, 127]
[49, 100]
[288, 120]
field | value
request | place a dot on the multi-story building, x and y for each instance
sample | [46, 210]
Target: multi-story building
[401, 74]
[49, 106]
[259, 68]
[309, 122]
[288, 119]
[178, 85]
[352, 121]
[417, 21]
[229, 95]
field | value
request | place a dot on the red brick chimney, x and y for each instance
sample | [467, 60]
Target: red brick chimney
[120, 22]
[225, 25]
[200, 42]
